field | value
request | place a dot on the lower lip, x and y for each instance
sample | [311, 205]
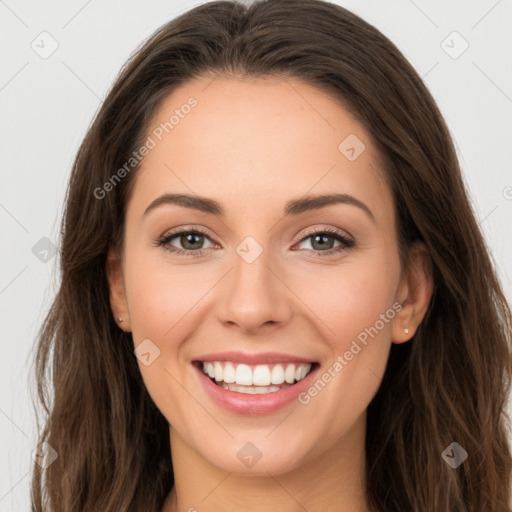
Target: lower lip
[254, 405]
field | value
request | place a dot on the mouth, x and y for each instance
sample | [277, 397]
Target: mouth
[257, 379]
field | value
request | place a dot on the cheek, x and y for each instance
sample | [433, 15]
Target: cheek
[160, 295]
[161, 301]
[167, 304]
[350, 299]
[356, 304]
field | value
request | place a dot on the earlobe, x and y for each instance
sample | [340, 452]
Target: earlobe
[414, 293]
[115, 280]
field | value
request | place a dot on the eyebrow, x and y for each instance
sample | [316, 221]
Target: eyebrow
[292, 207]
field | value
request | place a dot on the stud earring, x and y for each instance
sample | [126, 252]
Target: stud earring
[120, 319]
[406, 331]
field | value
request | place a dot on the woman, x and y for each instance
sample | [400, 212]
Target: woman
[274, 290]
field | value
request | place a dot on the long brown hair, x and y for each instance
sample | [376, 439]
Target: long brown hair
[450, 383]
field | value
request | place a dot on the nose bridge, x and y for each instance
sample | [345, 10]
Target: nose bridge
[254, 295]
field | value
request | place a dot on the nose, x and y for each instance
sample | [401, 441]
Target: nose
[254, 294]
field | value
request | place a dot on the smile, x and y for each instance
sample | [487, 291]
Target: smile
[254, 385]
[255, 379]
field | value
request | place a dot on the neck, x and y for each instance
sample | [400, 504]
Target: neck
[333, 481]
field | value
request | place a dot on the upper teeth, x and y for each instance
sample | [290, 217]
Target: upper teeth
[258, 375]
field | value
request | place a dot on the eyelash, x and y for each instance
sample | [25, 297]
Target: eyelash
[346, 243]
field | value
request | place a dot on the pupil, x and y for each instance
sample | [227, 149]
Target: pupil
[320, 237]
[191, 236]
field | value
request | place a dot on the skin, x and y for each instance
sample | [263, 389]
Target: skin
[252, 145]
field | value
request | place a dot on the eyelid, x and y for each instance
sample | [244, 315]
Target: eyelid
[308, 231]
[186, 228]
[325, 229]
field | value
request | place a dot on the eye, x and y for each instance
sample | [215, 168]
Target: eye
[191, 242]
[322, 242]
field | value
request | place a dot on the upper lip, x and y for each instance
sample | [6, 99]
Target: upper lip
[252, 359]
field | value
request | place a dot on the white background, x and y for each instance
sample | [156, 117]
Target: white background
[47, 105]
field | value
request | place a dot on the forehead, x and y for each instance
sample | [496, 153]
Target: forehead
[255, 142]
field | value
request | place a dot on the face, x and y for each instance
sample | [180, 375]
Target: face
[263, 278]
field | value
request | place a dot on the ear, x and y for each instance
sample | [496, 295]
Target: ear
[115, 280]
[414, 293]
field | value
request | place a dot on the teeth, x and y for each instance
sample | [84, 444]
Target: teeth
[243, 375]
[229, 375]
[277, 376]
[261, 375]
[289, 374]
[251, 390]
[217, 368]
